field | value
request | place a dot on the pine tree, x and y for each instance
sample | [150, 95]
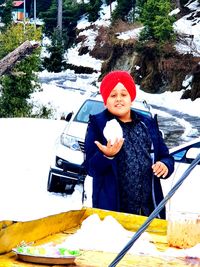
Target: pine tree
[50, 18]
[158, 24]
[139, 7]
[71, 13]
[6, 16]
[93, 9]
[123, 9]
[42, 6]
[55, 63]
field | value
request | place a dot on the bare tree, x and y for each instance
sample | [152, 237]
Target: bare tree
[178, 4]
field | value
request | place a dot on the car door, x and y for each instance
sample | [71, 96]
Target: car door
[187, 196]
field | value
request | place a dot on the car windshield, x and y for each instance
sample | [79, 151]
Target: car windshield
[94, 106]
[89, 107]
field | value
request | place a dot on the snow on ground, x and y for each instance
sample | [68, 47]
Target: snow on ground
[191, 27]
[172, 100]
[27, 145]
[27, 149]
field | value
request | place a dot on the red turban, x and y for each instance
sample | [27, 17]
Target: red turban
[112, 79]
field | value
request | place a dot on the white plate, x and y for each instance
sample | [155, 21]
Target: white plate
[45, 259]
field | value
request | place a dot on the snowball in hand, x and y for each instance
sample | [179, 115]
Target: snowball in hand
[113, 131]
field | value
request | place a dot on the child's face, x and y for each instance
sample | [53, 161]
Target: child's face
[119, 102]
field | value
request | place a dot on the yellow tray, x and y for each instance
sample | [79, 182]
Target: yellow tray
[57, 227]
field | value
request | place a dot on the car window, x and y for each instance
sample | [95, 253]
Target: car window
[89, 107]
[179, 156]
[143, 112]
[186, 154]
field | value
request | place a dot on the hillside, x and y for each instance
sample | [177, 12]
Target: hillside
[173, 67]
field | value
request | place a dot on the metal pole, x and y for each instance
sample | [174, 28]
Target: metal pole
[155, 212]
[35, 16]
[24, 15]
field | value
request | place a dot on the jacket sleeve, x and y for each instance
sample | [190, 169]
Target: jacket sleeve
[95, 162]
[161, 150]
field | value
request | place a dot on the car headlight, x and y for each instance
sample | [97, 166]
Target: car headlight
[70, 141]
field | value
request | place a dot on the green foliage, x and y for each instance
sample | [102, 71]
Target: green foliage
[55, 63]
[17, 87]
[93, 9]
[163, 28]
[123, 9]
[158, 24]
[108, 2]
[6, 16]
[15, 92]
[71, 13]
[15, 35]
[138, 7]
[50, 18]
[42, 6]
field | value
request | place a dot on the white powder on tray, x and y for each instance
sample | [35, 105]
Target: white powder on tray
[108, 235]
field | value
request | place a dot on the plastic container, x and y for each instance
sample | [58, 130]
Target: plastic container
[183, 229]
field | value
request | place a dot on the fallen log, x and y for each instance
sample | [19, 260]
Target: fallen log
[8, 62]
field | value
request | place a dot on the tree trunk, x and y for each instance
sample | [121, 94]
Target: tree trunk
[60, 15]
[178, 4]
[9, 61]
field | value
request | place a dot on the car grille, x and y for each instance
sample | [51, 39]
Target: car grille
[82, 146]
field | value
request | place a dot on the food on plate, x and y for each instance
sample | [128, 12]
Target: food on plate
[47, 250]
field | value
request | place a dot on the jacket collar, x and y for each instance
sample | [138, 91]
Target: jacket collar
[134, 116]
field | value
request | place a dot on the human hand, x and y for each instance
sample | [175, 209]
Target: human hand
[160, 169]
[110, 150]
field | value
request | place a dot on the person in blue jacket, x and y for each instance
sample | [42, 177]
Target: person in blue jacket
[127, 160]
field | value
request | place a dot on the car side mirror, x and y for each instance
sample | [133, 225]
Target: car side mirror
[68, 117]
[192, 153]
[162, 133]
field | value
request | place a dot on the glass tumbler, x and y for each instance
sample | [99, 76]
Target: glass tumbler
[183, 229]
